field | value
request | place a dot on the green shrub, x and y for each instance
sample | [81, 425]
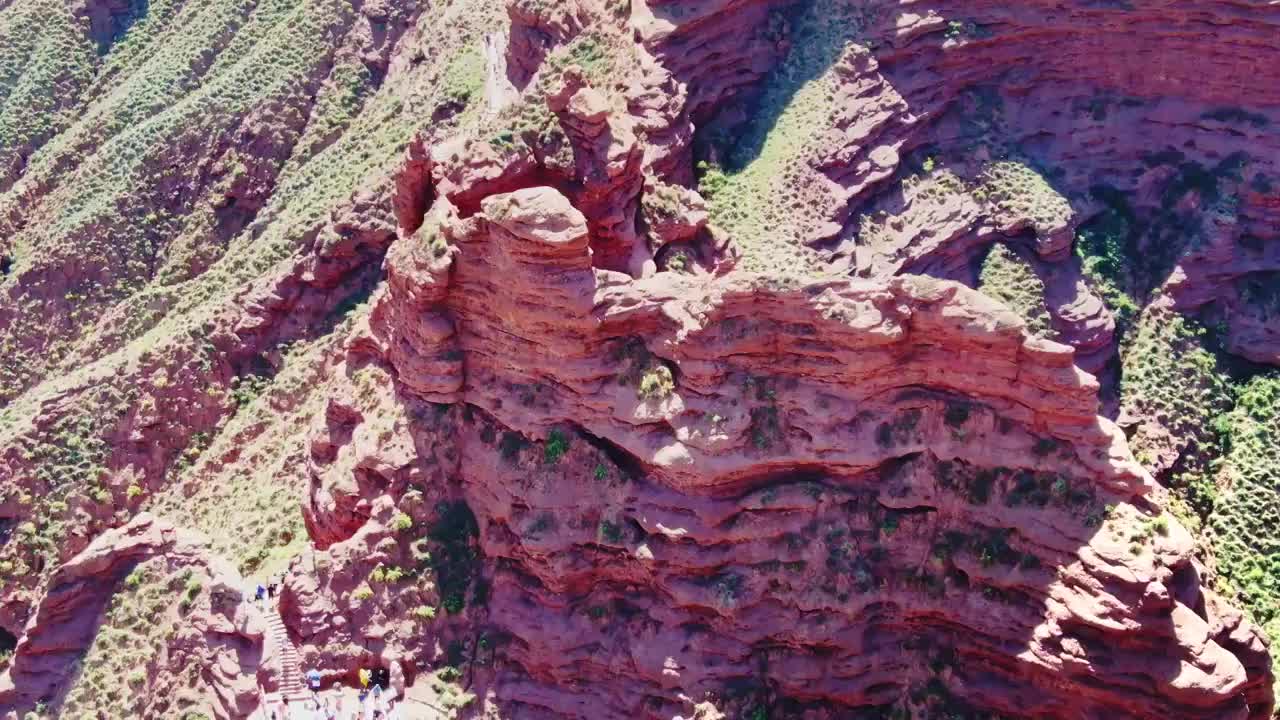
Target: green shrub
[656, 383]
[454, 603]
[610, 532]
[556, 446]
[1160, 525]
[401, 522]
[191, 591]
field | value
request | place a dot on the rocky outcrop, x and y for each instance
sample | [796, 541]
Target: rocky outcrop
[863, 488]
[633, 348]
[536, 28]
[219, 634]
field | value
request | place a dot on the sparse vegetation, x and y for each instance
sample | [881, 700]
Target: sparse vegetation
[114, 675]
[1011, 279]
[1175, 389]
[769, 161]
[1241, 524]
[1014, 191]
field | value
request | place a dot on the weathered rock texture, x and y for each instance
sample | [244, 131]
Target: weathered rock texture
[844, 482]
[214, 647]
[729, 358]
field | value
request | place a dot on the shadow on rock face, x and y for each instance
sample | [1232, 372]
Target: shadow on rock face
[837, 496]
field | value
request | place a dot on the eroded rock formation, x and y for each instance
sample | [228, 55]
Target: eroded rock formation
[730, 358]
[213, 647]
[854, 518]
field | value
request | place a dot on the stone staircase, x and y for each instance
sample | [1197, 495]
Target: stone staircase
[291, 682]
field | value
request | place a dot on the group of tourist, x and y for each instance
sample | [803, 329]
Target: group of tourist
[366, 707]
[264, 594]
[371, 703]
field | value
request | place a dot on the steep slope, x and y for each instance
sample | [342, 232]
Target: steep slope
[581, 359]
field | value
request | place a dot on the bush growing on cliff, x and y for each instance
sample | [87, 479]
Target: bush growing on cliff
[1015, 190]
[713, 180]
[766, 196]
[899, 430]
[765, 427]
[678, 261]
[588, 51]
[656, 383]
[610, 532]
[135, 578]
[557, 445]
[728, 588]
[191, 591]
[401, 522]
[1176, 389]
[455, 603]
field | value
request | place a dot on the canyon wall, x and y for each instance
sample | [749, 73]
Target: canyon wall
[725, 358]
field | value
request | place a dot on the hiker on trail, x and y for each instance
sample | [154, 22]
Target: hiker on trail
[260, 593]
[313, 680]
[271, 590]
[365, 675]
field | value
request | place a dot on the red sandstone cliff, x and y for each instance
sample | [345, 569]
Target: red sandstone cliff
[615, 359]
